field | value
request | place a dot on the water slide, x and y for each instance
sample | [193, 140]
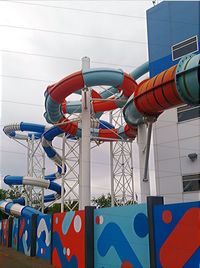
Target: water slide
[17, 207]
[16, 131]
[173, 87]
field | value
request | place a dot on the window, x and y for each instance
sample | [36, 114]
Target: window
[187, 112]
[191, 183]
[185, 47]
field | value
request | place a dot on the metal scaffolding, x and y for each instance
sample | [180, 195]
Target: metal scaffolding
[121, 163]
[70, 179]
[34, 196]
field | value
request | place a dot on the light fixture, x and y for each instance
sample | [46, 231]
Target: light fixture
[192, 156]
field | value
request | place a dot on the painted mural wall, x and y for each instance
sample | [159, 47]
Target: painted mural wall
[43, 239]
[15, 233]
[121, 237]
[24, 243]
[68, 240]
[177, 235]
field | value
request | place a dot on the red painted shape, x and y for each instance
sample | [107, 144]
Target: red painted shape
[126, 264]
[128, 86]
[66, 86]
[183, 241]
[55, 259]
[97, 220]
[21, 229]
[167, 216]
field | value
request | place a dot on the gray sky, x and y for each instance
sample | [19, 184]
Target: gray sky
[42, 42]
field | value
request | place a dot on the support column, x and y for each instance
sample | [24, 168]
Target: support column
[151, 202]
[142, 186]
[89, 236]
[33, 234]
[43, 176]
[10, 227]
[84, 183]
[63, 175]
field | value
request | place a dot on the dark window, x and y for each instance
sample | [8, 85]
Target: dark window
[187, 112]
[187, 46]
[191, 183]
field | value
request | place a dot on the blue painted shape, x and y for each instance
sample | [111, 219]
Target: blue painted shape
[141, 225]
[99, 76]
[112, 236]
[73, 263]
[194, 261]
[162, 230]
[67, 221]
[169, 23]
[123, 220]
[43, 238]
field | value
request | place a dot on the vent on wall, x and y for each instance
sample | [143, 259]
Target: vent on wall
[185, 47]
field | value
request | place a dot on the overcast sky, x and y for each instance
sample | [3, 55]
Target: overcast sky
[42, 42]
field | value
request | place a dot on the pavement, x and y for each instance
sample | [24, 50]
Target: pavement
[10, 258]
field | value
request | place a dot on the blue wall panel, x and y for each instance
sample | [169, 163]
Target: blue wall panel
[121, 237]
[43, 239]
[177, 235]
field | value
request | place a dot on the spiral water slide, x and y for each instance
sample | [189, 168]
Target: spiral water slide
[175, 86]
[23, 131]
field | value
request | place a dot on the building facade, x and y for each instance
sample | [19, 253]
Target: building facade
[176, 140]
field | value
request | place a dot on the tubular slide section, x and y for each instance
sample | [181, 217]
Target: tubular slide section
[140, 102]
[173, 87]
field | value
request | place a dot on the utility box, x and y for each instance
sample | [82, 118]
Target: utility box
[171, 33]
